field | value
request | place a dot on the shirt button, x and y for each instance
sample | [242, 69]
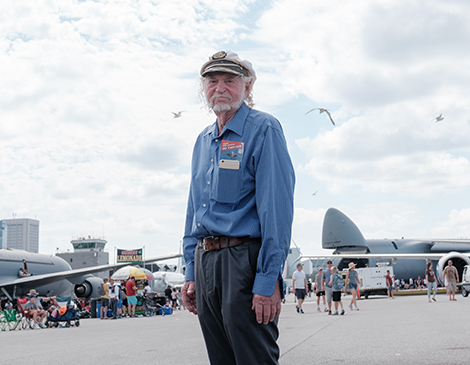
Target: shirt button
[216, 140]
[208, 183]
[212, 160]
[204, 205]
[199, 224]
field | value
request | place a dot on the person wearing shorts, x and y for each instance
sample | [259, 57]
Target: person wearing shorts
[299, 284]
[318, 290]
[325, 285]
[131, 290]
[124, 302]
[452, 276]
[336, 290]
[352, 280]
[389, 281]
[104, 300]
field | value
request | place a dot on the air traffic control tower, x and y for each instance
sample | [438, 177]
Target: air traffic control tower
[87, 251]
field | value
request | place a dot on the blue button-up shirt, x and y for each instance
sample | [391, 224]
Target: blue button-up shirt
[256, 199]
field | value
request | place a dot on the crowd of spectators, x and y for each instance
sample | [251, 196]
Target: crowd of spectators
[418, 283]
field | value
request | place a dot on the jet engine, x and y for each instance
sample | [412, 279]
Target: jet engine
[458, 260]
[88, 288]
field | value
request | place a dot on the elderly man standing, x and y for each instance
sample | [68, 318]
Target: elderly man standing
[239, 218]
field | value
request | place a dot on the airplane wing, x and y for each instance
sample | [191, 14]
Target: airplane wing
[409, 256]
[44, 279]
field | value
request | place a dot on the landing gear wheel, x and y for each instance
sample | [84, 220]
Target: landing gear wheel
[464, 292]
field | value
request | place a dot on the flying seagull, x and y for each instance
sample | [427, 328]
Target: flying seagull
[177, 115]
[438, 118]
[315, 193]
[322, 110]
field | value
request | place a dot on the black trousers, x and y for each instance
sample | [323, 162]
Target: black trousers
[224, 282]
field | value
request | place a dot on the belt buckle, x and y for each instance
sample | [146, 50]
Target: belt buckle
[204, 245]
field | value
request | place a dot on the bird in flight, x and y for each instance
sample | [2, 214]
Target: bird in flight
[322, 110]
[438, 118]
[315, 193]
[177, 115]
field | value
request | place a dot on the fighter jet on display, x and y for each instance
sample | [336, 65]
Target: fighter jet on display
[51, 274]
[408, 256]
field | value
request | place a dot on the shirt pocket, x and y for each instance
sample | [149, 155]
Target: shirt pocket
[228, 186]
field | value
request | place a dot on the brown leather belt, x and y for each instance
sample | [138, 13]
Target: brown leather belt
[213, 243]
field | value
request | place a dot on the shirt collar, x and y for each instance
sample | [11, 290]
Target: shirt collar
[236, 124]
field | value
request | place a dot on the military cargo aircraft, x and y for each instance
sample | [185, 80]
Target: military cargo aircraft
[408, 256]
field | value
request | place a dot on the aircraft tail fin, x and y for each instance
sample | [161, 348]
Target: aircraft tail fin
[341, 233]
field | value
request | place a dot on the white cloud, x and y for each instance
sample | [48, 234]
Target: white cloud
[363, 54]
[386, 69]
[88, 138]
[457, 225]
[88, 141]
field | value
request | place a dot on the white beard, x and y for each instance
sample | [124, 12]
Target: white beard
[225, 107]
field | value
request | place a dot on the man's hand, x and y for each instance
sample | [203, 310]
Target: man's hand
[189, 296]
[267, 308]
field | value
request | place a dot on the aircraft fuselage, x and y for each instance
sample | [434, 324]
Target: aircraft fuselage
[11, 261]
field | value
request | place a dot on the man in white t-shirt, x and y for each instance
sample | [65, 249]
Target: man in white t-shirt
[147, 289]
[113, 297]
[299, 284]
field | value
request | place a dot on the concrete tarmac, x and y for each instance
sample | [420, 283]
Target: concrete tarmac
[406, 330]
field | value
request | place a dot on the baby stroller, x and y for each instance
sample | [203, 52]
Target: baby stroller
[65, 316]
[83, 311]
[151, 304]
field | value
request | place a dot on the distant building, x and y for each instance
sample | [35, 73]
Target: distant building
[87, 252]
[21, 234]
[3, 235]
[292, 259]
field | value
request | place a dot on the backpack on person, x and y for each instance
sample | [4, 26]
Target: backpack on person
[338, 284]
[101, 290]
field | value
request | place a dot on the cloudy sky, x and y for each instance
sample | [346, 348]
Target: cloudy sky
[88, 143]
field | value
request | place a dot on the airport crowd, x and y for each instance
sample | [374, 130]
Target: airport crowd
[129, 299]
[329, 284]
[39, 312]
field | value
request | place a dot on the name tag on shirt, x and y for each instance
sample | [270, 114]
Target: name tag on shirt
[231, 154]
[229, 164]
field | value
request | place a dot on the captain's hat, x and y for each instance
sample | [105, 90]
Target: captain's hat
[229, 62]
